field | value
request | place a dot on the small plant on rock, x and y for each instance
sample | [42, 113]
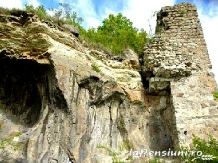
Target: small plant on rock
[111, 153]
[126, 145]
[215, 95]
[8, 141]
[208, 147]
[182, 12]
[156, 160]
[95, 68]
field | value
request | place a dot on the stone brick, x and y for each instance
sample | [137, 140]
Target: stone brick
[179, 53]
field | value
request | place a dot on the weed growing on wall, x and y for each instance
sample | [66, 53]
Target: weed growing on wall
[208, 148]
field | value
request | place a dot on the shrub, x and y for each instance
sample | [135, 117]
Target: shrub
[7, 11]
[208, 147]
[40, 11]
[116, 34]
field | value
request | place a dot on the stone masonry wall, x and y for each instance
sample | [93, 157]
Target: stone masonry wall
[179, 48]
[177, 62]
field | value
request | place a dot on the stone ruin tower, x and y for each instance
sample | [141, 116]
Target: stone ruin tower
[176, 64]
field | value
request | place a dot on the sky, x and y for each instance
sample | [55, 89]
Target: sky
[140, 12]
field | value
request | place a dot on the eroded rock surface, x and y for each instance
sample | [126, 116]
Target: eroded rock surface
[62, 102]
[60, 108]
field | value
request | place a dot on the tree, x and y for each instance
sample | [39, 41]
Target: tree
[40, 11]
[74, 16]
[29, 8]
[118, 34]
[115, 35]
[79, 20]
[66, 8]
[141, 39]
[66, 11]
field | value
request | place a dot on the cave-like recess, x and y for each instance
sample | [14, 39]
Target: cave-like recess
[22, 87]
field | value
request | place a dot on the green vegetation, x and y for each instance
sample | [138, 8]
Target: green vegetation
[1, 124]
[114, 36]
[155, 160]
[95, 68]
[64, 15]
[40, 11]
[182, 12]
[115, 155]
[208, 147]
[126, 145]
[157, 30]
[7, 11]
[118, 34]
[8, 141]
[111, 153]
[215, 95]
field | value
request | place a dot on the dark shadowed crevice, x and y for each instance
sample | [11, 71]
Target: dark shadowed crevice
[110, 125]
[161, 127]
[162, 122]
[26, 87]
[19, 89]
[145, 79]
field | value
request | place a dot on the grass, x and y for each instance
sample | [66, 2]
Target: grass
[208, 147]
[155, 160]
[95, 68]
[7, 11]
[1, 124]
[110, 45]
[111, 153]
[182, 12]
[215, 95]
[126, 145]
[8, 141]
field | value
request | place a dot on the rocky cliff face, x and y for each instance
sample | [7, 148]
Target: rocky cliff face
[62, 102]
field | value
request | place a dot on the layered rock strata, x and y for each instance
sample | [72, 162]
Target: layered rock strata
[62, 102]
